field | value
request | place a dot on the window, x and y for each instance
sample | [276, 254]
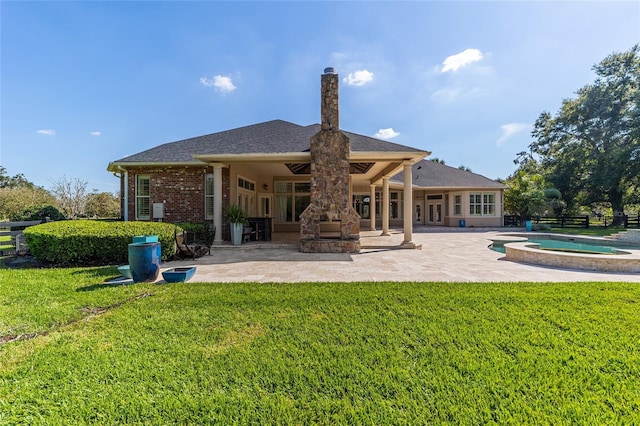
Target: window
[475, 204]
[395, 206]
[457, 205]
[208, 196]
[361, 204]
[143, 197]
[489, 204]
[482, 204]
[292, 198]
[247, 195]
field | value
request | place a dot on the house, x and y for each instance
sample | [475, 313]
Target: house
[267, 167]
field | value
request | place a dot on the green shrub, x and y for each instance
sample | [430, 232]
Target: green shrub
[90, 242]
[39, 214]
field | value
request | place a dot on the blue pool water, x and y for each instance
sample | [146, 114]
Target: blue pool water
[567, 246]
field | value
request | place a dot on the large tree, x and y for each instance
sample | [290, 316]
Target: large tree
[17, 181]
[21, 199]
[72, 196]
[103, 205]
[23, 202]
[590, 150]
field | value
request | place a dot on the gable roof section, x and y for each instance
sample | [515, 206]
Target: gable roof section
[429, 174]
[271, 137]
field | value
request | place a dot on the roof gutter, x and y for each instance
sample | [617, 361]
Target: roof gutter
[414, 157]
[120, 166]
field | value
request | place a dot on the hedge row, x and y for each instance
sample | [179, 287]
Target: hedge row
[90, 242]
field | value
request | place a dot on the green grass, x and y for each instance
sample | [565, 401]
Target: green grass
[317, 353]
[4, 242]
[594, 231]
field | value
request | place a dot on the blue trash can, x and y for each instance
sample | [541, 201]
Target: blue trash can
[144, 261]
[528, 225]
[462, 223]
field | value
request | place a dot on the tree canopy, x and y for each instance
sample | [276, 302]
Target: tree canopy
[590, 149]
[17, 181]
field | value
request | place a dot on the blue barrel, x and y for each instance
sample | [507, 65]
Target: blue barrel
[144, 261]
[528, 225]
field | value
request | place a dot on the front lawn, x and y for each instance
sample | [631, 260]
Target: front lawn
[316, 353]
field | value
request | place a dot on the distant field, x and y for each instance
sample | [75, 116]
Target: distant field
[315, 353]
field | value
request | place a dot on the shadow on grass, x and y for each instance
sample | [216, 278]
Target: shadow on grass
[111, 283]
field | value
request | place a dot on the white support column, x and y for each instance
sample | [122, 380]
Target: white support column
[408, 204]
[217, 201]
[385, 206]
[372, 208]
[125, 213]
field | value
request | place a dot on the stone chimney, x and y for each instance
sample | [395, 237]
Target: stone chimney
[329, 111]
[329, 224]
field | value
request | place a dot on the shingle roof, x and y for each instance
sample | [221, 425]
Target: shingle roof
[429, 174]
[275, 136]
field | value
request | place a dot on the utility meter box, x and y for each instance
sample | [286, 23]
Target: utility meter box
[158, 210]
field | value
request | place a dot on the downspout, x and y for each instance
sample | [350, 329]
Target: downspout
[124, 173]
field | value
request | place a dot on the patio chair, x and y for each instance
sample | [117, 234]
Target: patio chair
[209, 237]
[246, 234]
[185, 245]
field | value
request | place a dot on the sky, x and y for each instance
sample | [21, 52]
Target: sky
[89, 82]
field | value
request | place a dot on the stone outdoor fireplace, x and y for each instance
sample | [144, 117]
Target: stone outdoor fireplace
[329, 224]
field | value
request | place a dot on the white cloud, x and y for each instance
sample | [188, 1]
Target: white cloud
[48, 132]
[358, 78]
[96, 133]
[220, 83]
[447, 94]
[386, 133]
[510, 129]
[459, 60]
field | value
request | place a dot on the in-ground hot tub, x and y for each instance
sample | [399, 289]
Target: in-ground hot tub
[571, 252]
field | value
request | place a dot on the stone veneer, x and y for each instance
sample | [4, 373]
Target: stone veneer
[330, 201]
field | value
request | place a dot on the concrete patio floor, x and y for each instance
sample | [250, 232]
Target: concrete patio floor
[447, 254]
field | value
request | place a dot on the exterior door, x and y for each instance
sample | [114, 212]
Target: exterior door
[418, 213]
[434, 214]
[266, 203]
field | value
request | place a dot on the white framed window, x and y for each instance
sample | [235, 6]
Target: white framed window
[489, 204]
[457, 204]
[143, 197]
[208, 196]
[292, 198]
[482, 204]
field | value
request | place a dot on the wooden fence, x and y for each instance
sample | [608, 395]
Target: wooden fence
[13, 230]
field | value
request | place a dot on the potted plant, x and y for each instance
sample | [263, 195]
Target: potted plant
[237, 218]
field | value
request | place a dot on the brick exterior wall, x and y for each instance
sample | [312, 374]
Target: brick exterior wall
[180, 188]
